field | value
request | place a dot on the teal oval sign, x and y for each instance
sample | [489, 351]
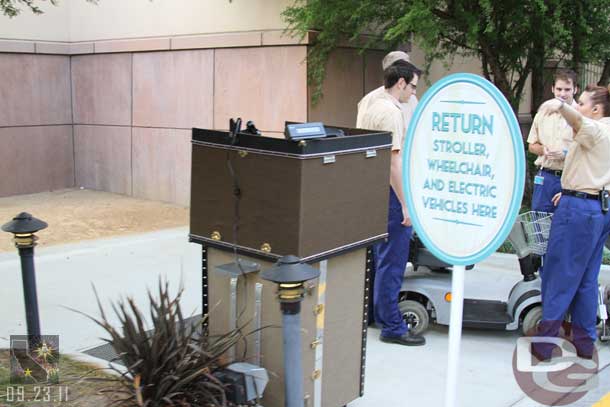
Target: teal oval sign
[463, 169]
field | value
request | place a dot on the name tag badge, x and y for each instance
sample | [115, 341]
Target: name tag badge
[539, 180]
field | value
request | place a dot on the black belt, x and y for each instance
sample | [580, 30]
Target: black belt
[556, 173]
[579, 194]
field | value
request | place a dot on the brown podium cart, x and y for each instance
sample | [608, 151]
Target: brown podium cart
[258, 198]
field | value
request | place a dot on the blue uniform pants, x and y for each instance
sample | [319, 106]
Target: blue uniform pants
[542, 197]
[571, 269]
[543, 193]
[391, 259]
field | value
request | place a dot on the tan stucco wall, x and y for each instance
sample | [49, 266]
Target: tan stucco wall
[79, 20]
[143, 18]
[50, 26]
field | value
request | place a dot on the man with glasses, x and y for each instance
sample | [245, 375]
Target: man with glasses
[407, 108]
[385, 113]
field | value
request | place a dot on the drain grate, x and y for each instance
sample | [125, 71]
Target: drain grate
[107, 352]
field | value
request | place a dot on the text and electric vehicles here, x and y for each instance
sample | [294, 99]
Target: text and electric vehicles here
[426, 294]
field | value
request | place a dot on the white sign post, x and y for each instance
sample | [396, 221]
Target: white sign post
[463, 172]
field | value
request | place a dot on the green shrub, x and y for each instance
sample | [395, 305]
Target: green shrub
[170, 365]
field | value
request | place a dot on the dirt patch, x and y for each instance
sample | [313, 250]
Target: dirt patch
[74, 215]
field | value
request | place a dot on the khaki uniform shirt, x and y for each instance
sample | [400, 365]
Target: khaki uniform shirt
[553, 132]
[385, 113]
[587, 164]
[369, 98]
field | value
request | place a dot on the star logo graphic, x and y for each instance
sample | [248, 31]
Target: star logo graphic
[44, 351]
[34, 359]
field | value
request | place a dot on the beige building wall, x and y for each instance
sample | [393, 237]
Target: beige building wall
[133, 112]
[53, 25]
[112, 19]
[113, 108]
[121, 122]
[79, 20]
[36, 144]
[104, 96]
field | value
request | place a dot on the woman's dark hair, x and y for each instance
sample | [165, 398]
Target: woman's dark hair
[600, 96]
[399, 69]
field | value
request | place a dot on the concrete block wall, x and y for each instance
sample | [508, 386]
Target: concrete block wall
[121, 121]
[132, 118]
[36, 143]
[133, 112]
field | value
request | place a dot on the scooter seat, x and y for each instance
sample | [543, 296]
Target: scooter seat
[420, 255]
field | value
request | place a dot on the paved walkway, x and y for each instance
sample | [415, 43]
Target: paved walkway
[395, 375]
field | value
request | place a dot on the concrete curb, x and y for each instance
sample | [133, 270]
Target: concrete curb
[97, 363]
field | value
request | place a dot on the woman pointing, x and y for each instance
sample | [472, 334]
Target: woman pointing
[580, 224]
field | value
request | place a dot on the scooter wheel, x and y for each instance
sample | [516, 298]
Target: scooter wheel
[415, 315]
[531, 320]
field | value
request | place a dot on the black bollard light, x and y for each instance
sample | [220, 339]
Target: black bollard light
[290, 274]
[23, 227]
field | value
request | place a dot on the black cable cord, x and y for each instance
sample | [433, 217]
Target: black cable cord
[236, 218]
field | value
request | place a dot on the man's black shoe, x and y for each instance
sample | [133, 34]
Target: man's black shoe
[407, 339]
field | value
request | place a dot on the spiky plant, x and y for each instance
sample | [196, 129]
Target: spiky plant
[170, 365]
